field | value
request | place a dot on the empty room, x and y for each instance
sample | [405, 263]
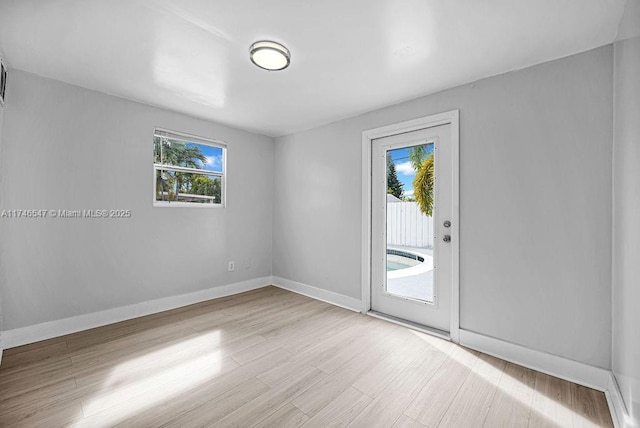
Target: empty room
[381, 213]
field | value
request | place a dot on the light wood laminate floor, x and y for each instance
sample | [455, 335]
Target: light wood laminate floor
[271, 358]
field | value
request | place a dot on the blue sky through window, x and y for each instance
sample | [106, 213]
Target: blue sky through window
[213, 155]
[404, 170]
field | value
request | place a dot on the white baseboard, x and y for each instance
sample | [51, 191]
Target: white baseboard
[563, 368]
[560, 367]
[51, 329]
[319, 294]
[619, 414]
[573, 371]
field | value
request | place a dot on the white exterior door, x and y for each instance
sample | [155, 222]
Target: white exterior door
[411, 276]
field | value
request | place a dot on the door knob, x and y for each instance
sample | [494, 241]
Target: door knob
[446, 223]
[446, 238]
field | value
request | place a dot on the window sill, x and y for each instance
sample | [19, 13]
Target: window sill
[185, 205]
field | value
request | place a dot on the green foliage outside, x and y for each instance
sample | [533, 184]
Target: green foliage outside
[204, 185]
[169, 183]
[424, 180]
[394, 185]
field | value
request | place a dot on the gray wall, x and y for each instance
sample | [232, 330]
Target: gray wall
[535, 205]
[535, 182]
[65, 147]
[626, 224]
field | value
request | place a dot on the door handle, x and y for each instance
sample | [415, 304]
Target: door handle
[446, 238]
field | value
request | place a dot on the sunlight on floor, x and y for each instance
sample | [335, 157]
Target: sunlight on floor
[557, 413]
[132, 393]
[440, 344]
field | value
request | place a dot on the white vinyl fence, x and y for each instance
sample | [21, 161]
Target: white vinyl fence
[408, 226]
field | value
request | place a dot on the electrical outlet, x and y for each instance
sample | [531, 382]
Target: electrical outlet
[232, 266]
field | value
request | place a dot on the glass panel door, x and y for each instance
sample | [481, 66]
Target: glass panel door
[410, 222]
[411, 201]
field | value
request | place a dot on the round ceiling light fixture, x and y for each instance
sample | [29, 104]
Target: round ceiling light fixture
[269, 55]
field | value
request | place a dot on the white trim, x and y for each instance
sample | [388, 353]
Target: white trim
[450, 117]
[619, 414]
[158, 132]
[166, 167]
[183, 136]
[365, 268]
[413, 326]
[563, 368]
[411, 125]
[321, 294]
[51, 329]
[167, 204]
[454, 326]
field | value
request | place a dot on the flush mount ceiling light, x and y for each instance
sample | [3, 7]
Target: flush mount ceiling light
[269, 55]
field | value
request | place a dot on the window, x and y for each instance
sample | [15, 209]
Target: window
[188, 170]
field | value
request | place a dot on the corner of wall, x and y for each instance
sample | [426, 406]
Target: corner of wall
[1, 123]
[628, 26]
[274, 142]
[624, 385]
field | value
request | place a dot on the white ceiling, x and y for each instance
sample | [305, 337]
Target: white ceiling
[347, 56]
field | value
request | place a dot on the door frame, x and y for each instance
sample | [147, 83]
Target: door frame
[447, 118]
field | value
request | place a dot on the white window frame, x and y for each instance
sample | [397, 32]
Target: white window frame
[161, 132]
